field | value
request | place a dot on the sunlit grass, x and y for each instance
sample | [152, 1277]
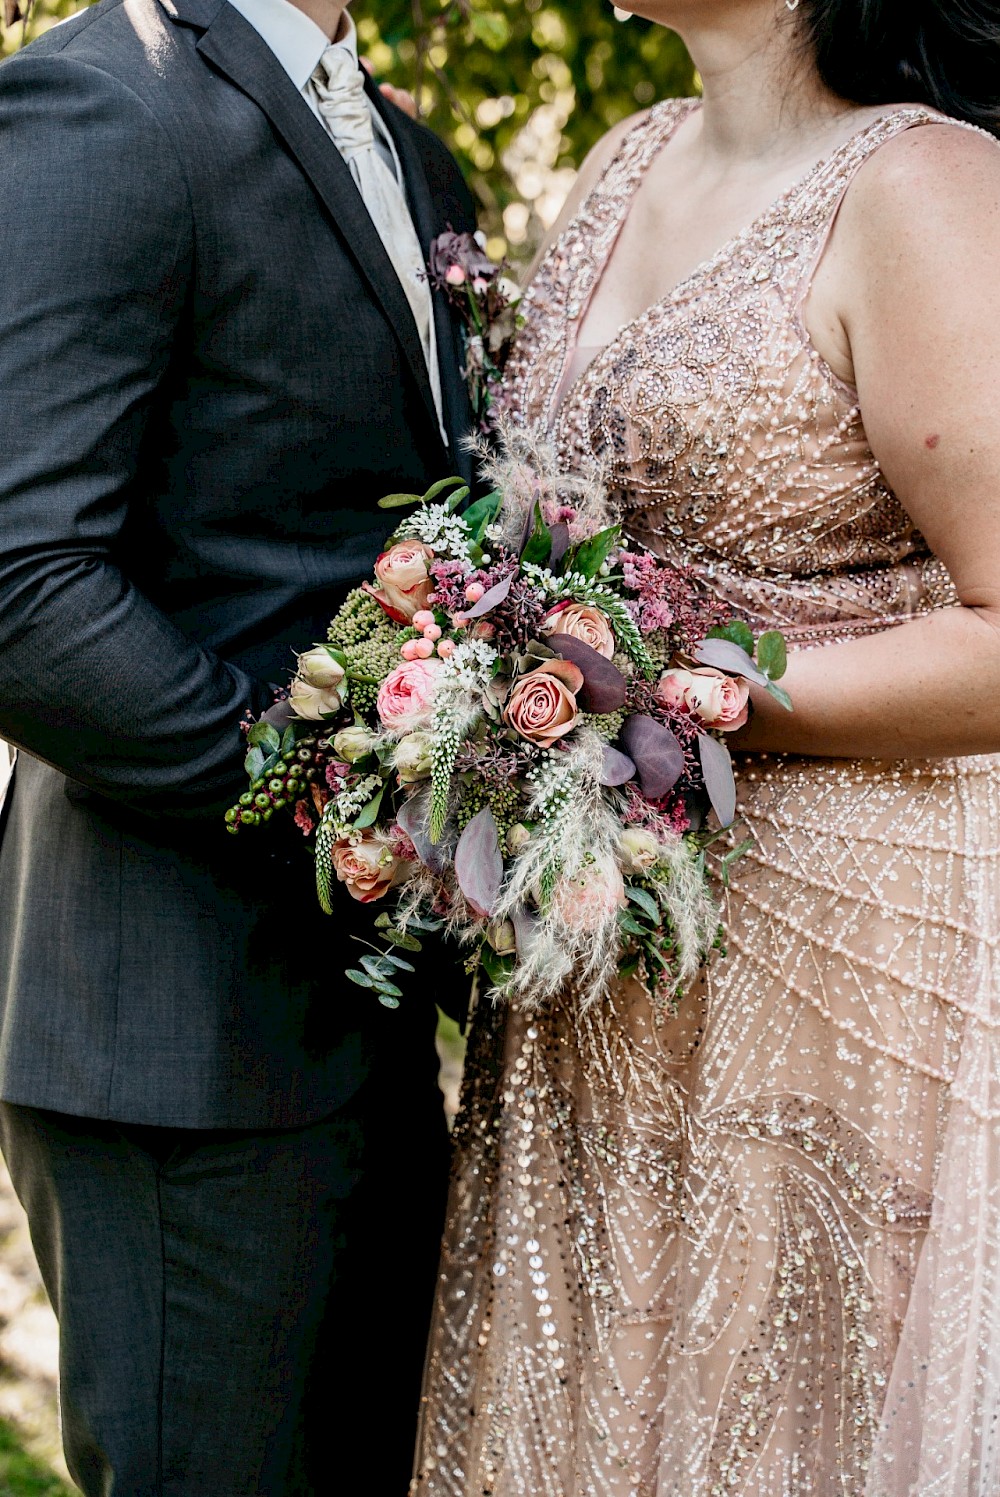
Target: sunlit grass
[20, 1474]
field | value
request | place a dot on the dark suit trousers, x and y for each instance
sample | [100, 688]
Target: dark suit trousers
[235, 1307]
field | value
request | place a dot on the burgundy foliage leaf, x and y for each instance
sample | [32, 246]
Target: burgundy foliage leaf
[560, 541]
[617, 768]
[717, 768]
[603, 683]
[658, 757]
[479, 863]
[491, 599]
[412, 817]
[725, 656]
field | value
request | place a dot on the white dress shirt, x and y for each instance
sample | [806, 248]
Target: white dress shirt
[298, 44]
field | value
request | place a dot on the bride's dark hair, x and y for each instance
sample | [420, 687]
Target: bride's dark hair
[940, 52]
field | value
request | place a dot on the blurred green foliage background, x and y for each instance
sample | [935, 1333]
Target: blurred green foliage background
[520, 89]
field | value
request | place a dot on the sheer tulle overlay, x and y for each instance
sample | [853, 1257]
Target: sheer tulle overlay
[753, 1248]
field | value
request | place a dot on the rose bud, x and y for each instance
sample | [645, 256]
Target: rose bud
[517, 839]
[720, 701]
[502, 937]
[354, 743]
[318, 668]
[640, 851]
[404, 584]
[312, 703]
[542, 705]
[413, 757]
[582, 622]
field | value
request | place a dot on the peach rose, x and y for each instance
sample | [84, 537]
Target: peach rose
[406, 697]
[368, 867]
[720, 701]
[583, 903]
[584, 623]
[542, 706]
[405, 586]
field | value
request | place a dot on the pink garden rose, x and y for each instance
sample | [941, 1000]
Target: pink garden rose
[596, 893]
[542, 706]
[405, 586]
[406, 697]
[720, 701]
[582, 622]
[369, 868]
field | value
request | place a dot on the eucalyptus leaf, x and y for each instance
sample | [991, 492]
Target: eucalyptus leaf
[723, 655]
[780, 695]
[404, 939]
[387, 1000]
[388, 989]
[397, 961]
[717, 768]
[361, 978]
[772, 654]
[375, 966]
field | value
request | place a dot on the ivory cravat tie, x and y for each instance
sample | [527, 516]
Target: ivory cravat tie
[343, 104]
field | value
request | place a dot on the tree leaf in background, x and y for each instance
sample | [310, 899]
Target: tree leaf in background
[479, 863]
[604, 686]
[656, 754]
[717, 768]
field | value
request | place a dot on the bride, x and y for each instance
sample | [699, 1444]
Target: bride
[755, 1248]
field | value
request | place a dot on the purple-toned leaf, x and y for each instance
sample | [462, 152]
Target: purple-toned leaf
[491, 599]
[603, 687]
[725, 656]
[412, 817]
[717, 768]
[617, 768]
[479, 863]
[560, 541]
[656, 754]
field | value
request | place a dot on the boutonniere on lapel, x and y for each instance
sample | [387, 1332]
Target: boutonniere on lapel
[487, 301]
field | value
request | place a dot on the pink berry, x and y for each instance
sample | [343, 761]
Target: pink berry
[459, 620]
[423, 649]
[432, 631]
[423, 618]
[408, 649]
[474, 592]
[446, 648]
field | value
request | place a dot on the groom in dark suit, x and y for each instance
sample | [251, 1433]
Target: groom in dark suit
[217, 350]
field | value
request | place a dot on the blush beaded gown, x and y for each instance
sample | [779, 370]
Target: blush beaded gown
[752, 1250]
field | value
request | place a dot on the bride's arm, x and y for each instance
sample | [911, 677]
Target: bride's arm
[919, 267]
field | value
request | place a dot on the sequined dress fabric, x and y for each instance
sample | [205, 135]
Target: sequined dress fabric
[752, 1248]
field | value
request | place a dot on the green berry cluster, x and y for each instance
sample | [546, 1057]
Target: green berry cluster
[370, 642]
[287, 780]
[607, 724]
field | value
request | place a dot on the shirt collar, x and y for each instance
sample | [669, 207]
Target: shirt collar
[296, 41]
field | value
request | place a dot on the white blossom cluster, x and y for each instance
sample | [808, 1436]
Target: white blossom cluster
[445, 533]
[351, 802]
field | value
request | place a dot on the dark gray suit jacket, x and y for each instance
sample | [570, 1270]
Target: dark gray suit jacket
[208, 375]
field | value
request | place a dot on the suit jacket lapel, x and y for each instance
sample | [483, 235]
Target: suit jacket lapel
[451, 354]
[232, 46]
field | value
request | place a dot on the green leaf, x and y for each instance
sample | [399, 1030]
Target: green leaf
[539, 547]
[383, 921]
[361, 978]
[780, 695]
[370, 812]
[441, 487]
[736, 632]
[375, 966]
[492, 28]
[458, 498]
[591, 555]
[401, 938]
[254, 763]
[630, 966]
[388, 989]
[645, 901]
[288, 740]
[397, 961]
[631, 924]
[498, 968]
[772, 654]
[263, 735]
[387, 1000]
[479, 516]
[399, 501]
[733, 856]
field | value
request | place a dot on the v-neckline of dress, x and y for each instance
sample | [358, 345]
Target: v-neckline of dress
[700, 272]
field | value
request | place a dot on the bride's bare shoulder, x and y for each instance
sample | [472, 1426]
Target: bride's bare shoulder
[598, 159]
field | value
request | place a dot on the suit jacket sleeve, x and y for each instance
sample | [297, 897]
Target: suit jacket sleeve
[97, 243]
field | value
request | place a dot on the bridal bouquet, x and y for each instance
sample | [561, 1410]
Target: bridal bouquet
[516, 733]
